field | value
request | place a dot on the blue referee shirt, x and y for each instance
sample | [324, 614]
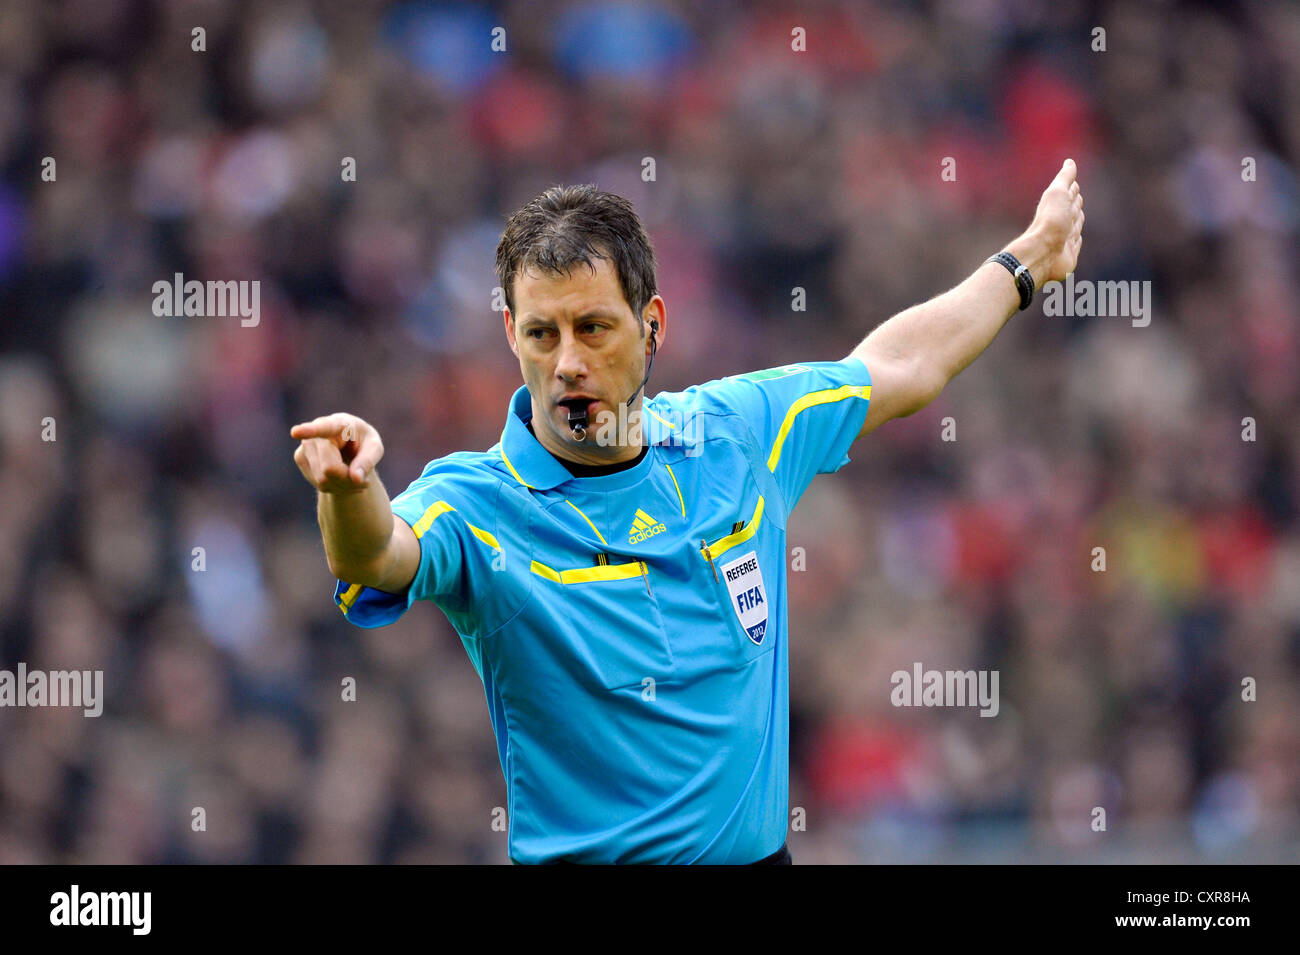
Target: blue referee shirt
[630, 628]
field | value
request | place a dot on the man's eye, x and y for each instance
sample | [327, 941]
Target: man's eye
[590, 325]
[535, 332]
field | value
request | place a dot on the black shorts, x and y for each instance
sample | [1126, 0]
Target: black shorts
[779, 857]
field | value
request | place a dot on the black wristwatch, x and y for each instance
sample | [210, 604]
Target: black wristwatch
[1024, 281]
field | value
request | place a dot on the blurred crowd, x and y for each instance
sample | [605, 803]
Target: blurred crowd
[1121, 688]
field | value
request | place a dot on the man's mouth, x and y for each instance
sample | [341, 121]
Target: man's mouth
[578, 404]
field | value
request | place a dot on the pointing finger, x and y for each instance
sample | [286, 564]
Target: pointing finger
[323, 427]
[315, 428]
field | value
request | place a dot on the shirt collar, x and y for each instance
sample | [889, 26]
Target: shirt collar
[535, 467]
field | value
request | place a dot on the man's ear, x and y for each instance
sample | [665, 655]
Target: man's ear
[510, 331]
[656, 320]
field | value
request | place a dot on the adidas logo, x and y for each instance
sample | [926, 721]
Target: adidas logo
[644, 526]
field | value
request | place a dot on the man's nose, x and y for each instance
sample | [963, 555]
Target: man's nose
[571, 363]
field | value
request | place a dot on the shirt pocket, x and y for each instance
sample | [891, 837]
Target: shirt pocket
[739, 576]
[612, 632]
[741, 585]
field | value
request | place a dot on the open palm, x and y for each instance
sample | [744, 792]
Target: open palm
[1059, 220]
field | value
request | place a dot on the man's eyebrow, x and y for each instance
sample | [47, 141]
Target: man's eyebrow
[594, 313]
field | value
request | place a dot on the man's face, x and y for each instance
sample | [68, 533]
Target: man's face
[576, 337]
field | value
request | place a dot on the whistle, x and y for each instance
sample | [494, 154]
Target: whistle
[578, 421]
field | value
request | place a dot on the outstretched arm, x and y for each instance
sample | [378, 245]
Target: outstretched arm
[912, 356]
[365, 542]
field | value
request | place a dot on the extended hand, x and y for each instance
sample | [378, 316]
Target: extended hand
[1058, 223]
[337, 452]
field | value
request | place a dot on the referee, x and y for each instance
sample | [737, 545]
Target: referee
[615, 565]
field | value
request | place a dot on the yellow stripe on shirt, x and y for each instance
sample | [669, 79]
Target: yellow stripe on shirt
[810, 400]
[585, 575]
[419, 528]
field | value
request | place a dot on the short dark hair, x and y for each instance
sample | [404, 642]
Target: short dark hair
[566, 225]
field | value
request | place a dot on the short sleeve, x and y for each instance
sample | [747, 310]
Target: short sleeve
[441, 577]
[804, 416]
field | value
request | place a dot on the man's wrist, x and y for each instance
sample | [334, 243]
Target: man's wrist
[1034, 255]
